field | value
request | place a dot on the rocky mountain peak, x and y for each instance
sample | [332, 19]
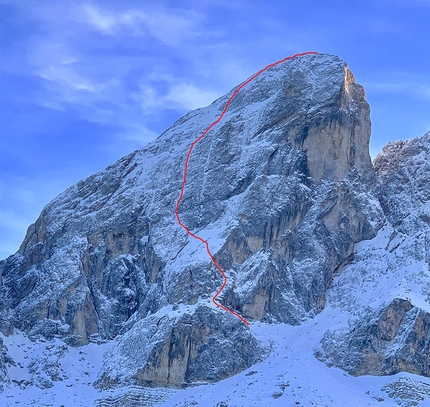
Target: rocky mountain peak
[282, 189]
[300, 93]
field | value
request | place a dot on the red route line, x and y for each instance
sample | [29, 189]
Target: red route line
[185, 180]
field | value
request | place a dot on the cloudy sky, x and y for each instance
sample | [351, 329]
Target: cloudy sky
[83, 83]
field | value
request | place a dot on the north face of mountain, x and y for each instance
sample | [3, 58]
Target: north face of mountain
[282, 188]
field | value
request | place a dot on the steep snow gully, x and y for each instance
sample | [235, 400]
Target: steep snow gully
[214, 298]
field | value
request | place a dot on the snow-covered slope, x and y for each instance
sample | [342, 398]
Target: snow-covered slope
[285, 193]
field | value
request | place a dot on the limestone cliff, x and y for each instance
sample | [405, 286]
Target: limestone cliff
[282, 189]
[386, 288]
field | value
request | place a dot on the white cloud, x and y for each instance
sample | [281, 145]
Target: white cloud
[96, 76]
[172, 27]
[181, 96]
[138, 133]
[95, 85]
[72, 80]
[149, 99]
[187, 97]
[58, 64]
[99, 19]
[68, 78]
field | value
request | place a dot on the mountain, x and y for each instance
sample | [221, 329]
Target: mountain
[109, 300]
[394, 336]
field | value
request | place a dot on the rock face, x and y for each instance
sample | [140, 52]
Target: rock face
[180, 348]
[282, 188]
[390, 332]
[395, 340]
[403, 169]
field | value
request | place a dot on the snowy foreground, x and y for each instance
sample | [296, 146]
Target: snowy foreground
[290, 376]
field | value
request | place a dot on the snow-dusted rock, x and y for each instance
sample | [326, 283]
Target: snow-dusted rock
[395, 339]
[178, 348]
[282, 189]
[386, 288]
[403, 169]
[45, 370]
[407, 392]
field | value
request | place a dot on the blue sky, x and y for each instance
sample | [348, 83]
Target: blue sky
[85, 82]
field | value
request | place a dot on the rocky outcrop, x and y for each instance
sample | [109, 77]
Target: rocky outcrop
[407, 392]
[394, 340]
[178, 348]
[46, 369]
[403, 183]
[282, 188]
